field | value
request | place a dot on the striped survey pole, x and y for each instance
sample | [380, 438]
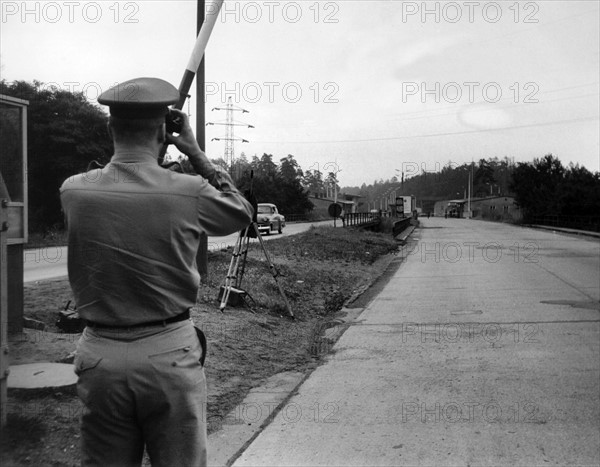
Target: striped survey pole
[211, 14]
[207, 16]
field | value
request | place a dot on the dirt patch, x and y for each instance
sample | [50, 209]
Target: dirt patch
[320, 271]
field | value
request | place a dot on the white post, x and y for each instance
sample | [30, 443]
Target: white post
[469, 198]
[334, 199]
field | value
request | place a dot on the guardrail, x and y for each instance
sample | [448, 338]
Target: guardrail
[400, 225]
[591, 223]
[355, 219]
[364, 219]
[296, 217]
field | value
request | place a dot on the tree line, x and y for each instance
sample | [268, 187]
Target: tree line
[282, 184]
[488, 177]
[543, 187]
[66, 134]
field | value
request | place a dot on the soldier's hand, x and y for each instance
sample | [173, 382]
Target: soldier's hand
[185, 141]
[187, 144]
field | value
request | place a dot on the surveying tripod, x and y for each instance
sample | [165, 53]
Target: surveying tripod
[237, 267]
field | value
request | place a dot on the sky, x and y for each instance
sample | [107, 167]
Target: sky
[367, 89]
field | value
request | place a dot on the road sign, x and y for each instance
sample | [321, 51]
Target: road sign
[334, 210]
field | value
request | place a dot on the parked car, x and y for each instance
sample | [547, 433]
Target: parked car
[269, 219]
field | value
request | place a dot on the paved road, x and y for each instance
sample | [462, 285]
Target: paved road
[483, 349]
[51, 262]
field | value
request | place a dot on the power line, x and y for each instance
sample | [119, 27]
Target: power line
[448, 107]
[539, 25]
[487, 109]
[434, 135]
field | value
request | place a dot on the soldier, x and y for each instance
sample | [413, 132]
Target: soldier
[133, 230]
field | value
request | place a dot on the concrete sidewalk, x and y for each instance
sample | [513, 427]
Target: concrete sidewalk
[483, 349]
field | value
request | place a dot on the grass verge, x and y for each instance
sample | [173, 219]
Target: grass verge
[320, 270]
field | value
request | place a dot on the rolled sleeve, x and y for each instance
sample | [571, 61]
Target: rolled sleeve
[222, 209]
[222, 181]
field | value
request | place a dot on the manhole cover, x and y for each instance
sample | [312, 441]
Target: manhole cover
[41, 375]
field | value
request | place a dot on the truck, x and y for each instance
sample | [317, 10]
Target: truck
[406, 205]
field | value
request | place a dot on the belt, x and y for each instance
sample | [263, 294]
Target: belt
[181, 317]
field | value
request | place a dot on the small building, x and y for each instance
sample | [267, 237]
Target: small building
[496, 208]
[449, 208]
[349, 204]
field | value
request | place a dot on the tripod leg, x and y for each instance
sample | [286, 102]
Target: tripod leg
[227, 286]
[233, 268]
[273, 270]
[244, 254]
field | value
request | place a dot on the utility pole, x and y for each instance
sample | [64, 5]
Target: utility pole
[202, 254]
[335, 197]
[469, 191]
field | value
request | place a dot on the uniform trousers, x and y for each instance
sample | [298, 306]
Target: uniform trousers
[142, 387]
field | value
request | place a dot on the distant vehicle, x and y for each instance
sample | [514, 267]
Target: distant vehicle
[453, 209]
[269, 219]
[406, 205]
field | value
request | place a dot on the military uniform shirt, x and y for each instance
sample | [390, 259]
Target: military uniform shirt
[134, 231]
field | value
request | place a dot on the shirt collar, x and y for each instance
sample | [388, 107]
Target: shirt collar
[138, 156]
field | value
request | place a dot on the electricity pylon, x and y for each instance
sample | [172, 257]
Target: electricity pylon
[229, 137]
